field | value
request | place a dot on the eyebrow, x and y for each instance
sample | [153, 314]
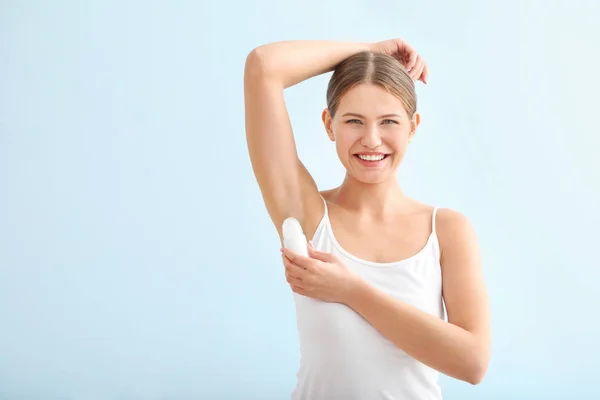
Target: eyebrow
[362, 116]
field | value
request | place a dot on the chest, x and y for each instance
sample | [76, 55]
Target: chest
[385, 241]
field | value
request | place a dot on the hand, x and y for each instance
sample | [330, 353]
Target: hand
[403, 52]
[320, 276]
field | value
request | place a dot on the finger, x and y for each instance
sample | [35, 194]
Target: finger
[417, 68]
[425, 74]
[412, 60]
[420, 75]
[292, 280]
[288, 258]
[419, 71]
[321, 256]
[405, 51]
[299, 290]
[292, 269]
[297, 259]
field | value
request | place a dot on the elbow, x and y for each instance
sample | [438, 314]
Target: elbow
[476, 376]
[255, 63]
[476, 370]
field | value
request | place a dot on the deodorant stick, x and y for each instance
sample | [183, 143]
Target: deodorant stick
[293, 237]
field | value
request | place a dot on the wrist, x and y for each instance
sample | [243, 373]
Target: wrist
[354, 287]
[370, 46]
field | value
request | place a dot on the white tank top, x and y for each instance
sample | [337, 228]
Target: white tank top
[345, 357]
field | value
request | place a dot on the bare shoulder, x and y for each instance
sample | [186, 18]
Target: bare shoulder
[454, 229]
[448, 217]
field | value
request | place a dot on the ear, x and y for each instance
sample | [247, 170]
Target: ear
[414, 124]
[327, 122]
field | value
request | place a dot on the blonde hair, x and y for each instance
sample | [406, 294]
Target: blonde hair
[373, 68]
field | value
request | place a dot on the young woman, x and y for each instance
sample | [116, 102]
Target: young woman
[370, 297]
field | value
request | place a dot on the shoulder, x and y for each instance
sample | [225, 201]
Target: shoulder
[455, 231]
[448, 219]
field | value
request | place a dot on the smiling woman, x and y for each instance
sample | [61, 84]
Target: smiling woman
[370, 293]
[383, 127]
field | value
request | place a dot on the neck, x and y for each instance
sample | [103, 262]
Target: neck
[375, 199]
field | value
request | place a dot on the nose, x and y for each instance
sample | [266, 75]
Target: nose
[371, 137]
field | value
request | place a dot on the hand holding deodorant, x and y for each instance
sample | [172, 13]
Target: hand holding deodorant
[293, 237]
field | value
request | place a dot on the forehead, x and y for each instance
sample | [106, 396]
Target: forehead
[370, 100]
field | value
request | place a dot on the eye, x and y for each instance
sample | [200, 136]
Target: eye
[352, 121]
[390, 121]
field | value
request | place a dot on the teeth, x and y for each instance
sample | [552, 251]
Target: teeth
[371, 158]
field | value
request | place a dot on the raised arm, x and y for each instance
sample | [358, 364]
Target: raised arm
[287, 188]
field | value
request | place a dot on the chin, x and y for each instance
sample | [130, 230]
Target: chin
[372, 178]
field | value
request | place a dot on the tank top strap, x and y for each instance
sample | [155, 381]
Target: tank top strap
[321, 227]
[435, 209]
[325, 213]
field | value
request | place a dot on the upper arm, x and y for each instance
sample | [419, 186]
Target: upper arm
[287, 188]
[463, 286]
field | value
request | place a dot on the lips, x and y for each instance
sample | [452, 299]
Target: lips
[371, 159]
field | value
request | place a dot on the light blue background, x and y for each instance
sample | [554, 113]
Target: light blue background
[137, 260]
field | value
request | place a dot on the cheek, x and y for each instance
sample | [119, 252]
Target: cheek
[344, 141]
[398, 144]
[397, 140]
[342, 149]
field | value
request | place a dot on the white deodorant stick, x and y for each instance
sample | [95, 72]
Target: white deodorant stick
[293, 237]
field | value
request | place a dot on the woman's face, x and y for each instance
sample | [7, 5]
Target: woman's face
[371, 130]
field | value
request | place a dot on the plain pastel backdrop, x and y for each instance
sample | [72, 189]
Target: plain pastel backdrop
[137, 260]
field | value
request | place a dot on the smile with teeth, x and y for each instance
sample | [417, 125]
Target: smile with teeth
[371, 157]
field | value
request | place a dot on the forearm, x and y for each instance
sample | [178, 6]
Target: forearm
[442, 346]
[292, 62]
